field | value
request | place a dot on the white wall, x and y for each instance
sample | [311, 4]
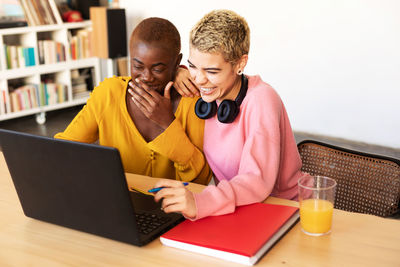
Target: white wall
[335, 63]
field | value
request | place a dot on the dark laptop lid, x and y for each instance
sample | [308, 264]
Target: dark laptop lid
[76, 185]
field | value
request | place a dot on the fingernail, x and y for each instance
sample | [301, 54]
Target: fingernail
[137, 80]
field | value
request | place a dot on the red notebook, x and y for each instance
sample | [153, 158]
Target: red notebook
[243, 236]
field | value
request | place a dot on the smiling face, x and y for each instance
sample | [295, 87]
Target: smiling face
[153, 64]
[216, 78]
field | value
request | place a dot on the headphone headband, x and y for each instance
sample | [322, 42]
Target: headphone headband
[243, 90]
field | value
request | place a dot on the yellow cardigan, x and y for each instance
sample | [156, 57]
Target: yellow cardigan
[175, 154]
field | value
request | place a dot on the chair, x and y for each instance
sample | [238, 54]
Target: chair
[366, 183]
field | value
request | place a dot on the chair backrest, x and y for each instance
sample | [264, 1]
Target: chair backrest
[366, 183]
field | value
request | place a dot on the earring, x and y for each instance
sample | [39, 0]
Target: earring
[239, 72]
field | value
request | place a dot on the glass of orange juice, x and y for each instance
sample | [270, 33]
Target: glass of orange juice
[316, 197]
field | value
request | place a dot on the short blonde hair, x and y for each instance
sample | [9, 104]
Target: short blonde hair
[222, 31]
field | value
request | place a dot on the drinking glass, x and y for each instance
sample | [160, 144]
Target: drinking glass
[316, 197]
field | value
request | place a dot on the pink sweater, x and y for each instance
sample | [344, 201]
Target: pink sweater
[253, 157]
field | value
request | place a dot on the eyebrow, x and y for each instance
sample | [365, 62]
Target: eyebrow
[154, 65]
[208, 69]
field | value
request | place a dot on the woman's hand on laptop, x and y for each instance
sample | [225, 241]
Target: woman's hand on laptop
[176, 198]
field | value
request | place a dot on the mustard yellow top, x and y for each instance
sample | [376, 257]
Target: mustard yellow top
[175, 154]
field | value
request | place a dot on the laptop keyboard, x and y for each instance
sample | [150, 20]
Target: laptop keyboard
[149, 222]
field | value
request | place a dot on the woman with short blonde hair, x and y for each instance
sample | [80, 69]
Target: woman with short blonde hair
[223, 32]
[248, 140]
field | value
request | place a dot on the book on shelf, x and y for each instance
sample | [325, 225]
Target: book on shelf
[3, 101]
[41, 12]
[22, 62]
[80, 44]
[51, 51]
[48, 12]
[243, 236]
[18, 56]
[13, 57]
[24, 97]
[79, 83]
[55, 11]
[30, 96]
[51, 93]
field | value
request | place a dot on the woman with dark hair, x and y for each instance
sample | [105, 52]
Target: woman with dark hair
[155, 130]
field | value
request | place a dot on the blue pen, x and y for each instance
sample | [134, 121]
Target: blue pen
[156, 189]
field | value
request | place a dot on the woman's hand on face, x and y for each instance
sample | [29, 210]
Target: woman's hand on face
[176, 198]
[154, 106]
[184, 85]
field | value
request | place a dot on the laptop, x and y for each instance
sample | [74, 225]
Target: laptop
[81, 186]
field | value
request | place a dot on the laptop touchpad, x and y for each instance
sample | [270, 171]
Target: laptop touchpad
[144, 202]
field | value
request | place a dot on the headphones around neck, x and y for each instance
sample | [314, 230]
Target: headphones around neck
[227, 110]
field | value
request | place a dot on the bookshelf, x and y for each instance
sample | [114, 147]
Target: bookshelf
[57, 72]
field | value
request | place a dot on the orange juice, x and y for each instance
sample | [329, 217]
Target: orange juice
[316, 215]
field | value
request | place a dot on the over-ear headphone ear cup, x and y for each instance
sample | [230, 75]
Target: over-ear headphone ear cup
[227, 111]
[205, 110]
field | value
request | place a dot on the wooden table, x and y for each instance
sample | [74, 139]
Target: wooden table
[356, 240]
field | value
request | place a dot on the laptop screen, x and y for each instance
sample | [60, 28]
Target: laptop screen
[76, 185]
